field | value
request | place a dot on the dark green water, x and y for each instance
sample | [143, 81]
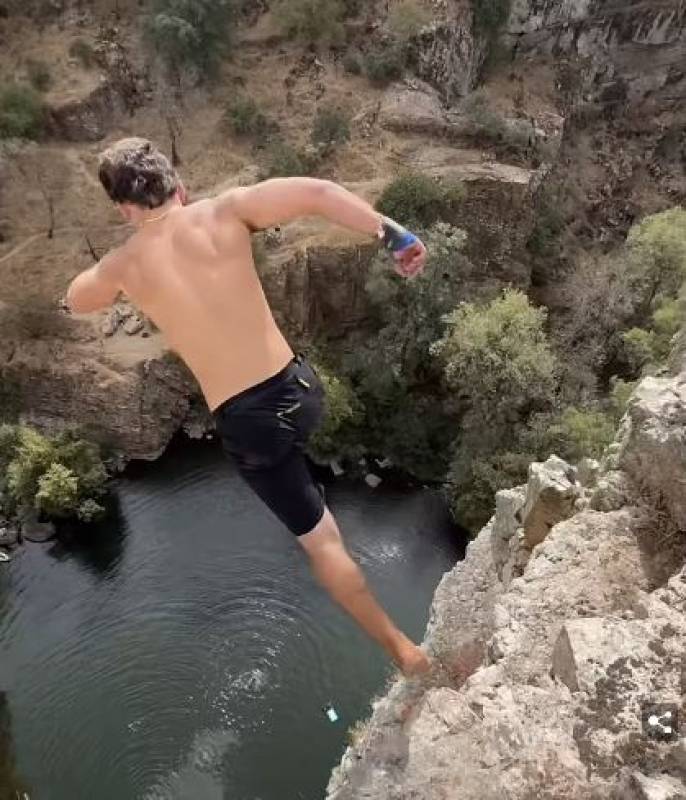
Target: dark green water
[183, 651]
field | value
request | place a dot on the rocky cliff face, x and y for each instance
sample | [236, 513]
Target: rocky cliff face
[630, 48]
[559, 642]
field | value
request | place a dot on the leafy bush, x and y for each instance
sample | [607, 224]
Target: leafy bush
[406, 18]
[490, 16]
[311, 21]
[639, 348]
[585, 433]
[83, 51]
[385, 63]
[191, 33]
[657, 250]
[415, 199]
[548, 225]
[21, 112]
[352, 62]
[62, 476]
[245, 119]
[620, 393]
[498, 356]
[39, 74]
[285, 161]
[331, 128]
[334, 437]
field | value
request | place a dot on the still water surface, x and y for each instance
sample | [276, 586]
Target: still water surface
[183, 652]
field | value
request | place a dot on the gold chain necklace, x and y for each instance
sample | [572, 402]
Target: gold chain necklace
[159, 217]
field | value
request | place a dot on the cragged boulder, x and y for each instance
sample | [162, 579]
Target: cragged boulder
[653, 446]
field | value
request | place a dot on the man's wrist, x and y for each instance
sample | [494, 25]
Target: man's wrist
[394, 236]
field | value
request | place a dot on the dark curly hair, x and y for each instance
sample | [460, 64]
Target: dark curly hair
[134, 171]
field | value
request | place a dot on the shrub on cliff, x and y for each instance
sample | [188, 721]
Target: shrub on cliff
[22, 114]
[406, 18]
[490, 16]
[285, 161]
[331, 128]
[311, 21]
[61, 476]
[417, 200]
[385, 63]
[497, 360]
[336, 436]
[191, 33]
[244, 118]
[657, 254]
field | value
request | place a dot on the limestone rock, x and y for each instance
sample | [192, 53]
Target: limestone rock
[506, 539]
[612, 492]
[133, 325]
[110, 322]
[373, 481]
[416, 108]
[637, 786]
[551, 492]
[588, 472]
[34, 531]
[587, 648]
[654, 442]
[9, 535]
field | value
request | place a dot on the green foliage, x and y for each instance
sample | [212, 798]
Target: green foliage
[39, 74]
[620, 393]
[497, 360]
[406, 18]
[331, 128]
[498, 356]
[639, 346]
[60, 476]
[584, 433]
[336, 437]
[245, 119]
[58, 491]
[352, 62]
[394, 375]
[657, 250]
[191, 33]
[548, 225]
[21, 112]
[83, 51]
[490, 16]
[285, 161]
[311, 21]
[418, 200]
[385, 63]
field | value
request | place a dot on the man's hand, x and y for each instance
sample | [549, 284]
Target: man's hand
[410, 261]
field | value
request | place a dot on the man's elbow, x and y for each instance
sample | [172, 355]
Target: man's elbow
[77, 302]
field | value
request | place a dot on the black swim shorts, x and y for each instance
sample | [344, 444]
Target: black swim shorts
[264, 430]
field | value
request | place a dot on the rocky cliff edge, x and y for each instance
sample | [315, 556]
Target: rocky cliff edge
[559, 642]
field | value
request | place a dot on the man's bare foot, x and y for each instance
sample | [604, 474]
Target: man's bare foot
[412, 661]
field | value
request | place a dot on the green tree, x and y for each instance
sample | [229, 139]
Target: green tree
[497, 360]
[406, 18]
[191, 33]
[490, 16]
[498, 357]
[22, 113]
[61, 476]
[336, 436]
[58, 491]
[418, 200]
[331, 128]
[311, 21]
[657, 254]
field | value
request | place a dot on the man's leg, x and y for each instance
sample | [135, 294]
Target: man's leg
[343, 579]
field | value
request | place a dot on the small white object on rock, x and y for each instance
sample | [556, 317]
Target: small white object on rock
[133, 325]
[336, 468]
[372, 480]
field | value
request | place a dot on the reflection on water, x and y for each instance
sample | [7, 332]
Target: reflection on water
[182, 651]
[11, 787]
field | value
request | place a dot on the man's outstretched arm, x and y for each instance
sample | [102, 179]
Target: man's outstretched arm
[281, 200]
[95, 288]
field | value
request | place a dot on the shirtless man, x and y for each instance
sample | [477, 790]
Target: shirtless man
[190, 269]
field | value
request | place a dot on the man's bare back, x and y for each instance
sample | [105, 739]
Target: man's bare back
[192, 273]
[190, 269]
